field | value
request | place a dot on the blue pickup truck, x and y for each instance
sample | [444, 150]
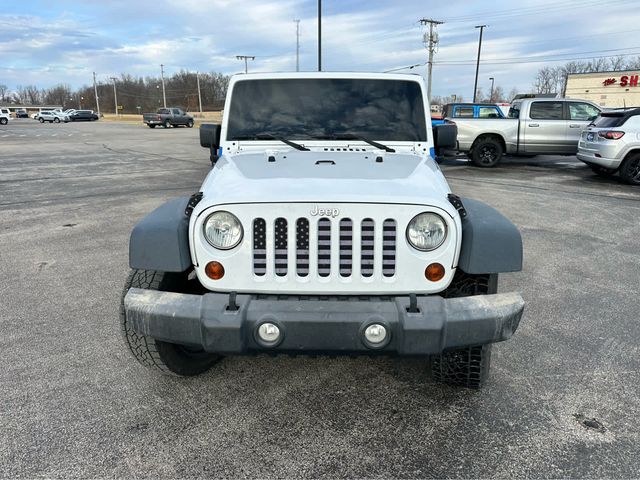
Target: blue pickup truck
[468, 110]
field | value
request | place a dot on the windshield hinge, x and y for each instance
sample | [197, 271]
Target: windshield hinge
[456, 201]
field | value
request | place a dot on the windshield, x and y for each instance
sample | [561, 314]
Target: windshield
[317, 108]
[608, 120]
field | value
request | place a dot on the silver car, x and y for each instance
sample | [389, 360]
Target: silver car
[52, 117]
[611, 144]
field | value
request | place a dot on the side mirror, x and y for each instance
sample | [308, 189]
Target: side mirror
[445, 136]
[210, 138]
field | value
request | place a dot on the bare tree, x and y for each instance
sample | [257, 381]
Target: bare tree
[633, 64]
[617, 63]
[3, 92]
[512, 95]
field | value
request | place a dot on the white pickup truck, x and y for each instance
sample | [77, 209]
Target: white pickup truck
[324, 227]
[535, 126]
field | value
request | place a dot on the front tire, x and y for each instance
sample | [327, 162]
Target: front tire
[41, 120]
[487, 152]
[166, 124]
[3, 121]
[630, 169]
[56, 120]
[151, 126]
[190, 124]
[167, 358]
[466, 367]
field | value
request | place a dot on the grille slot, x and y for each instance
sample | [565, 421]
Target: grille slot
[302, 247]
[389, 247]
[366, 247]
[324, 247]
[281, 243]
[259, 247]
[346, 247]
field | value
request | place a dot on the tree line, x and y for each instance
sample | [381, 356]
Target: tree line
[135, 94]
[554, 79]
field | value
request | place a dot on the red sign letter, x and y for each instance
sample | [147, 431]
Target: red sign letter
[624, 80]
[633, 81]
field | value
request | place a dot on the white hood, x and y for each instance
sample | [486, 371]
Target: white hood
[325, 176]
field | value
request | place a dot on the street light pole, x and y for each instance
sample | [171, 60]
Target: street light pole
[199, 95]
[319, 35]
[475, 85]
[297, 45]
[245, 58]
[491, 94]
[164, 96]
[95, 90]
[115, 94]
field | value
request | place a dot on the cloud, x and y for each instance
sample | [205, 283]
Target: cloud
[45, 43]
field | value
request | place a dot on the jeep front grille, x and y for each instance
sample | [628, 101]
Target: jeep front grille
[342, 232]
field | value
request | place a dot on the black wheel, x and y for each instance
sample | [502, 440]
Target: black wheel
[57, 120]
[3, 121]
[166, 124]
[190, 124]
[630, 169]
[602, 171]
[41, 120]
[487, 152]
[168, 358]
[469, 366]
[152, 126]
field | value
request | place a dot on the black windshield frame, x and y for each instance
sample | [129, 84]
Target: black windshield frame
[311, 108]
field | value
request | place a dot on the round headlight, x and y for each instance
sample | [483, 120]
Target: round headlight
[426, 231]
[223, 230]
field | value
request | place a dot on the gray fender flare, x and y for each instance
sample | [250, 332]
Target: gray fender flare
[490, 242]
[160, 241]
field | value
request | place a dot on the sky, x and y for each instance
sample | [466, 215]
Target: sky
[46, 42]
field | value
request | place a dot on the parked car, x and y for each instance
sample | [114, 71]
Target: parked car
[21, 113]
[4, 118]
[324, 227]
[52, 117]
[7, 112]
[611, 144]
[168, 117]
[535, 126]
[83, 115]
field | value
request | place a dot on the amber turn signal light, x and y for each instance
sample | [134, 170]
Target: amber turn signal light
[434, 272]
[214, 270]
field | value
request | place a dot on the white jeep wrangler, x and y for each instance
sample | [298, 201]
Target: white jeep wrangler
[324, 227]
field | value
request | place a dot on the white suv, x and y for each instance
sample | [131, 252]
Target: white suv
[5, 116]
[611, 144]
[52, 117]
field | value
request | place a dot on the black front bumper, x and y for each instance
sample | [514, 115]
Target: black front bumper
[323, 326]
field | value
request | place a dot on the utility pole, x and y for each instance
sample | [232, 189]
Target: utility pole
[199, 95]
[245, 58]
[319, 35]
[297, 45]
[115, 95]
[475, 84]
[491, 94]
[164, 96]
[95, 90]
[432, 42]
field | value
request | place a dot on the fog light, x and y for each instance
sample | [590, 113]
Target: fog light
[434, 272]
[269, 332]
[375, 333]
[214, 270]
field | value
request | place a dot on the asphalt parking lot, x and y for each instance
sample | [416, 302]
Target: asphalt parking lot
[74, 403]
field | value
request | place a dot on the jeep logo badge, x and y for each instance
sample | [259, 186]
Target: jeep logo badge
[324, 212]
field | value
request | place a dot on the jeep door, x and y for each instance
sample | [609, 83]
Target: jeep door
[545, 129]
[580, 115]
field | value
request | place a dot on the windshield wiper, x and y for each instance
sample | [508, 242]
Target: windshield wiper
[353, 136]
[269, 136]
